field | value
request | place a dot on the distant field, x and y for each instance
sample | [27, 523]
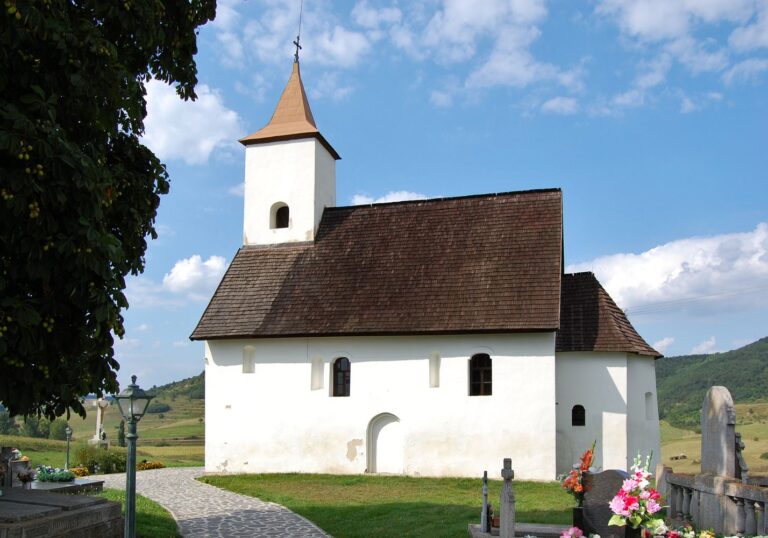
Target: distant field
[752, 423]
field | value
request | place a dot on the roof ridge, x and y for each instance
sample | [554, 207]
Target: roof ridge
[448, 198]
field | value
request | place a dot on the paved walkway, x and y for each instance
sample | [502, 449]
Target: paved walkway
[207, 511]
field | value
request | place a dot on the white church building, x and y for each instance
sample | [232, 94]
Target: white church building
[430, 337]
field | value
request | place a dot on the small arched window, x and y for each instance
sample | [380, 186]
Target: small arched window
[649, 414]
[280, 216]
[341, 376]
[578, 416]
[480, 375]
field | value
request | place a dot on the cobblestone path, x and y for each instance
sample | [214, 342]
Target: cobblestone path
[207, 511]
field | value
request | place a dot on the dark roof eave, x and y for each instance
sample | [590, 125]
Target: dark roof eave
[374, 333]
[296, 136]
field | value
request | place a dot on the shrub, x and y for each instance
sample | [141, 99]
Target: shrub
[58, 430]
[79, 471]
[145, 465]
[108, 460]
[33, 426]
[197, 393]
[764, 456]
[158, 407]
[8, 424]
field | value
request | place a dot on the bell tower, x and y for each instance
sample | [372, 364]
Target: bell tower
[290, 172]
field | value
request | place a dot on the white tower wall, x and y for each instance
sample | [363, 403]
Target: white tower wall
[298, 173]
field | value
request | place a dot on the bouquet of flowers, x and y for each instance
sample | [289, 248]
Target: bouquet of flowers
[53, 474]
[572, 482]
[636, 501]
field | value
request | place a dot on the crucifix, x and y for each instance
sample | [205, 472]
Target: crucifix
[298, 36]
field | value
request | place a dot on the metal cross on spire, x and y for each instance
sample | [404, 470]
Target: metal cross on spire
[298, 36]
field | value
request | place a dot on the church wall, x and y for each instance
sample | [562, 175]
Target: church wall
[643, 437]
[299, 173]
[598, 382]
[273, 420]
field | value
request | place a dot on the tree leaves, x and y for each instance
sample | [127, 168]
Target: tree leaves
[78, 191]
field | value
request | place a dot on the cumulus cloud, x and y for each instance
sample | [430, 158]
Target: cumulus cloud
[705, 347]
[393, 196]
[561, 105]
[188, 130]
[662, 345]
[699, 275]
[441, 99]
[194, 277]
[237, 190]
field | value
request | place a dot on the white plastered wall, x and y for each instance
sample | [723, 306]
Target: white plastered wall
[300, 173]
[273, 421]
[643, 435]
[597, 381]
[612, 387]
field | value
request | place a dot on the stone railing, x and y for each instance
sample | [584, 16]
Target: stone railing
[728, 506]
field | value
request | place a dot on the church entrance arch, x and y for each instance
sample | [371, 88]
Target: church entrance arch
[385, 444]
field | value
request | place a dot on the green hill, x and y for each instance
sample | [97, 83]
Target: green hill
[192, 387]
[683, 381]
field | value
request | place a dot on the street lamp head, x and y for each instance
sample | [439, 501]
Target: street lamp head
[68, 431]
[133, 401]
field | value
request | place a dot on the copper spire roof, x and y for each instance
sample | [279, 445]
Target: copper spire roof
[292, 118]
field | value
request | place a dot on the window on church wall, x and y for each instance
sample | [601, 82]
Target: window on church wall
[341, 376]
[434, 370]
[480, 375]
[578, 416]
[249, 363]
[280, 216]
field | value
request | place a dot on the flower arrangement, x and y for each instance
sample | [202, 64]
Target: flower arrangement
[26, 476]
[636, 501]
[573, 481]
[575, 532]
[79, 471]
[53, 474]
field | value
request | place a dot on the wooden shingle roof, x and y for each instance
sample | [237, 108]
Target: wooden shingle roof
[488, 263]
[591, 321]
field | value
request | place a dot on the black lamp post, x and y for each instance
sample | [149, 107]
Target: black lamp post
[133, 403]
[68, 433]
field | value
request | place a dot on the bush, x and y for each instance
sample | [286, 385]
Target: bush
[764, 456]
[35, 427]
[108, 460]
[158, 407]
[58, 430]
[145, 465]
[197, 393]
[8, 424]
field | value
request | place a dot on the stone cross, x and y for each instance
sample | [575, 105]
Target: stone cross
[507, 502]
[485, 523]
[100, 405]
[718, 434]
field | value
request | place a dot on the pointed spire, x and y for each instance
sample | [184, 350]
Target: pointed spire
[292, 118]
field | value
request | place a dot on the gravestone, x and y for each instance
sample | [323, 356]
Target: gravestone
[6, 475]
[599, 489]
[507, 502]
[718, 434]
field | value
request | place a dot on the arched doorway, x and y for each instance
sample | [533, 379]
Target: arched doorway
[385, 444]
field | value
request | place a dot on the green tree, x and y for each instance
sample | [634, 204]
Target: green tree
[121, 434]
[8, 424]
[34, 426]
[78, 191]
[58, 430]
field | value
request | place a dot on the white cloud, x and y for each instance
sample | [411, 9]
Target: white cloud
[369, 17]
[441, 99]
[561, 105]
[752, 36]
[237, 190]
[705, 347]
[143, 327]
[194, 277]
[687, 105]
[393, 196]
[662, 345]
[329, 86]
[699, 274]
[188, 130]
[180, 343]
[746, 70]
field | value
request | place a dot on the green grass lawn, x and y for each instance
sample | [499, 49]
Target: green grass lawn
[152, 520]
[361, 506]
[53, 453]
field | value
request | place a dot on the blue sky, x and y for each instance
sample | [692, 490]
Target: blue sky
[651, 115]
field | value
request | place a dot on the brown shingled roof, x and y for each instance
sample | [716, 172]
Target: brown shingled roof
[292, 118]
[591, 321]
[489, 263]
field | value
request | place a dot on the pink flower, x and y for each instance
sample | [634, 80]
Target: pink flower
[617, 506]
[652, 506]
[628, 485]
[573, 532]
[673, 534]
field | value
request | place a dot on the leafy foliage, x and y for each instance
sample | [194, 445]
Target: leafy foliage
[8, 424]
[107, 461]
[78, 191]
[58, 430]
[683, 381]
[51, 474]
[36, 427]
[158, 407]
